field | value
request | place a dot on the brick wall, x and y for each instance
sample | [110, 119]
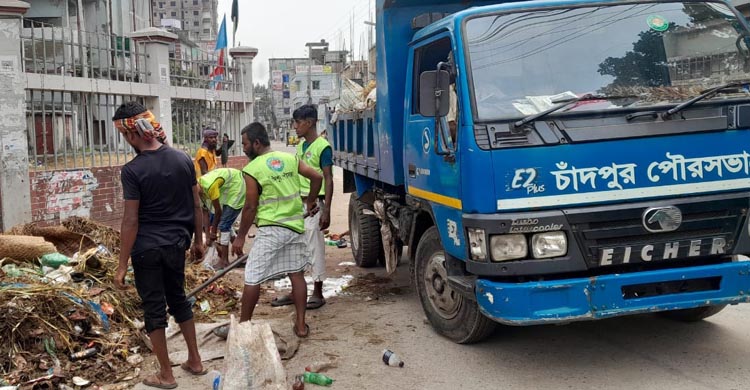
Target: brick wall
[94, 193]
[237, 162]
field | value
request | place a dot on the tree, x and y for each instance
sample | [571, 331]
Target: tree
[644, 66]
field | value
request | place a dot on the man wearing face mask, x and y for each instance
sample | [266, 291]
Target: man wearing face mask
[161, 214]
[272, 195]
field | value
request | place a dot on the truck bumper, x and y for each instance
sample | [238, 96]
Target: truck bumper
[613, 295]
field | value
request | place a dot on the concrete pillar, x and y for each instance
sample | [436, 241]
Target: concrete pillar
[156, 44]
[244, 55]
[15, 191]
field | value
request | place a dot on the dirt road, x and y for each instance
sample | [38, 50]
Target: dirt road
[379, 312]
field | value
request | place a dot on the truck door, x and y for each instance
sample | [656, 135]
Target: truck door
[430, 173]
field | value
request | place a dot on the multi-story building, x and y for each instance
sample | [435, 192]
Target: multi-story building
[325, 87]
[197, 17]
[68, 66]
[281, 73]
[289, 80]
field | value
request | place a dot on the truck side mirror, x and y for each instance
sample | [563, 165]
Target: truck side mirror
[434, 95]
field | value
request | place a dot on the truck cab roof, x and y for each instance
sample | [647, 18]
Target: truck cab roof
[451, 21]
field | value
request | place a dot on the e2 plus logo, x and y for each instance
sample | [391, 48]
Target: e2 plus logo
[524, 178]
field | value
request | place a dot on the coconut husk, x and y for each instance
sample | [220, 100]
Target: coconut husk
[97, 232]
[24, 248]
[66, 241]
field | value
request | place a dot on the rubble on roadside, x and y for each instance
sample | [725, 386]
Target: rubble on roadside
[61, 318]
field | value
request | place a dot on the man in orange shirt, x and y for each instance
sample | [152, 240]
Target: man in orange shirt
[205, 157]
[205, 161]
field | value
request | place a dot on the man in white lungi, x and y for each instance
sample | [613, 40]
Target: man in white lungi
[315, 152]
[273, 196]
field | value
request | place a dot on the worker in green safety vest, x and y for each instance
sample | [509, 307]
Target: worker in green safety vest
[316, 152]
[224, 190]
[273, 196]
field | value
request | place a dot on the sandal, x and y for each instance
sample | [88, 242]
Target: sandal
[187, 368]
[302, 336]
[158, 384]
[315, 302]
[282, 301]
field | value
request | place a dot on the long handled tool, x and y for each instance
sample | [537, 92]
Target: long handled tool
[218, 275]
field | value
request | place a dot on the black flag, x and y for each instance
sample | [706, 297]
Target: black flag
[235, 18]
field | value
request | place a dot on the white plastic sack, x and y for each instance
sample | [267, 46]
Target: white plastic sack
[252, 360]
[351, 93]
[211, 258]
[372, 98]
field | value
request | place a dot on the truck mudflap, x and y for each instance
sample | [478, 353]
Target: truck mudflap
[614, 295]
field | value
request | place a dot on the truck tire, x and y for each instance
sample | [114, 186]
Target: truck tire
[365, 234]
[450, 314]
[692, 315]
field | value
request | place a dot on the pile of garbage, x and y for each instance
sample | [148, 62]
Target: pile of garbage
[61, 319]
[355, 97]
[63, 322]
[217, 300]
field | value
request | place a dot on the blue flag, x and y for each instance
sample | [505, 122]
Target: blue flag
[221, 39]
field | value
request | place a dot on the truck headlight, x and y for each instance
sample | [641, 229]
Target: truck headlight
[549, 244]
[477, 244]
[508, 247]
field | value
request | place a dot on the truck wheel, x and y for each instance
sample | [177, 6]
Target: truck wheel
[450, 314]
[692, 315]
[365, 234]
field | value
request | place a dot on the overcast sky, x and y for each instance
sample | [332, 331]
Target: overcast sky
[280, 28]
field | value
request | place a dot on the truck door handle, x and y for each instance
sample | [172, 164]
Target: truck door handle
[412, 170]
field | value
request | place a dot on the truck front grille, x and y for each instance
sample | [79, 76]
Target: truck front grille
[615, 230]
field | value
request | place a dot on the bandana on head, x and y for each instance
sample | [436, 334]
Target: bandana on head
[208, 132]
[128, 125]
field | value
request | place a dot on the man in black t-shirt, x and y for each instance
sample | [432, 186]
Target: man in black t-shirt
[161, 214]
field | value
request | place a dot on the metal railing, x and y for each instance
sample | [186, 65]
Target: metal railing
[193, 68]
[49, 49]
[74, 130]
[190, 117]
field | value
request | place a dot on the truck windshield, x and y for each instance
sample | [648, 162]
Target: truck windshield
[654, 53]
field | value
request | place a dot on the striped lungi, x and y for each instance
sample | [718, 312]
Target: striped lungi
[276, 251]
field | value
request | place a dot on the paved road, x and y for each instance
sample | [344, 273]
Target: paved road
[639, 352]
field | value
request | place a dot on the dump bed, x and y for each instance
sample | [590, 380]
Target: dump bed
[354, 142]
[370, 142]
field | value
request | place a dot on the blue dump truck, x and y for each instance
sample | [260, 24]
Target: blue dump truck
[555, 161]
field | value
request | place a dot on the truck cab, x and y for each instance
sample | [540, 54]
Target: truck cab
[556, 161]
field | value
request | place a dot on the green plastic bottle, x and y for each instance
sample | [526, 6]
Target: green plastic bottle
[55, 260]
[317, 379]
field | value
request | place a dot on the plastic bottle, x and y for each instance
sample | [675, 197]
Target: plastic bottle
[390, 358]
[317, 379]
[55, 260]
[102, 250]
[214, 377]
[86, 353]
